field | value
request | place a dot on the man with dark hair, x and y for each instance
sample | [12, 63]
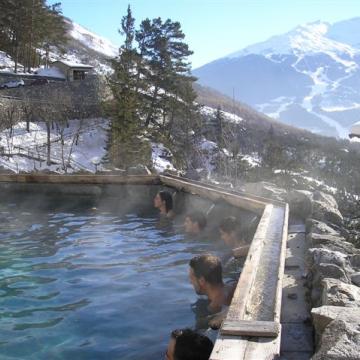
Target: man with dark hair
[229, 234]
[194, 223]
[186, 344]
[205, 275]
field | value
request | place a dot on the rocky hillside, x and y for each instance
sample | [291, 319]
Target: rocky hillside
[308, 77]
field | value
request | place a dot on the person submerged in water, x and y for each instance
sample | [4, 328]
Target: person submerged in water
[229, 235]
[205, 274]
[164, 203]
[186, 344]
[194, 223]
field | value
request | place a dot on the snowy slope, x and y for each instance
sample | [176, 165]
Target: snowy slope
[87, 47]
[26, 151]
[303, 40]
[5, 61]
[83, 46]
[93, 41]
[308, 77]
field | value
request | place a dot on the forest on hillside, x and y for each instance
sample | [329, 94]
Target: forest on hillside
[29, 29]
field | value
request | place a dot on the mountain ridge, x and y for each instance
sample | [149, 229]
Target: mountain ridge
[302, 74]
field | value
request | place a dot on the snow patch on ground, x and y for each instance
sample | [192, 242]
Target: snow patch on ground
[206, 110]
[276, 106]
[327, 188]
[253, 160]
[161, 157]
[6, 64]
[207, 145]
[52, 71]
[209, 151]
[26, 151]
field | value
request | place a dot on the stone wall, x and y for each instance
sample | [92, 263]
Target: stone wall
[334, 279]
[333, 270]
[84, 96]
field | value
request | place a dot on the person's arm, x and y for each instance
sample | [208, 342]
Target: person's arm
[217, 319]
[240, 251]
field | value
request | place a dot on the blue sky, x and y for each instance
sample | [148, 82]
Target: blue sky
[213, 28]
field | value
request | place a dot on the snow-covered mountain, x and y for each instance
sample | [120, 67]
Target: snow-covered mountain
[308, 77]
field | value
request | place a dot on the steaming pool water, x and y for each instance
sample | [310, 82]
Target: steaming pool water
[80, 283]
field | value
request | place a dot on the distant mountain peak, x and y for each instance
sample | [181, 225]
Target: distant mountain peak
[307, 77]
[306, 38]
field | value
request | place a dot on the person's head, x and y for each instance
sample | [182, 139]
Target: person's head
[205, 271]
[194, 222]
[227, 229]
[163, 199]
[186, 344]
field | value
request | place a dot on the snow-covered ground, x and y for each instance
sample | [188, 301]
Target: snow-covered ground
[52, 71]
[22, 151]
[6, 64]
[160, 158]
[27, 151]
[206, 110]
[93, 41]
[87, 39]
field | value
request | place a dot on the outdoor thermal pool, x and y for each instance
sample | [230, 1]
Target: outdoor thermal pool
[83, 283]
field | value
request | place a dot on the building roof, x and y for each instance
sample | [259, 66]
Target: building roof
[73, 65]
[355, 129]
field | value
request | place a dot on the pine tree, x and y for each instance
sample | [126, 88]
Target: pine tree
[127, 144]
[152, 89]
[52, 29]
[28, 26]
[165, 54]
[217, 127]
[273, 154]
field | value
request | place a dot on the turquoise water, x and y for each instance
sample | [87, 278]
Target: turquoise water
[90, 284]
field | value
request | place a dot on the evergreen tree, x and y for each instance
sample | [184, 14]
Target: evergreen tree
[165, 55]
[51, 30]
[28, 26]
[273, 155]
[152, 89]
[127, 145]
[217, 127]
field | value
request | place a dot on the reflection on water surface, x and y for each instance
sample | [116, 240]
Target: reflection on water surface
[90, 284]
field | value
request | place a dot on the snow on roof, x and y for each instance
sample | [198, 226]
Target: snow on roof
[355, 129]
[73, 64]
[53, 72]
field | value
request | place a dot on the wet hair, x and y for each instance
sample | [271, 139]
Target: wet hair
[198, 217]
[167, 197]
[228, 224]
[207, 266]
[190, 345]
